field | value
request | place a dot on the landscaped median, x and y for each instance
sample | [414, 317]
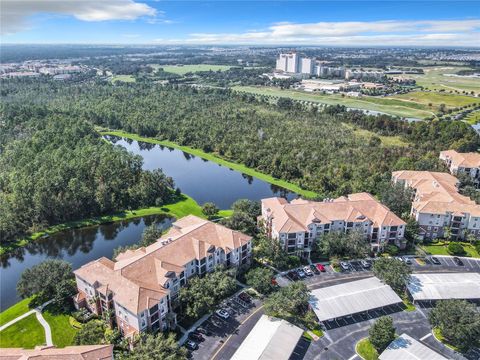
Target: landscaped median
[365, 350]
[183, 207]
[214, 158]
[441, 248]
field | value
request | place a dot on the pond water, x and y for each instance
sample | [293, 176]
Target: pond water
[202, 180]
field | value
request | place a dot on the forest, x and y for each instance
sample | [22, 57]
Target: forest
[55, 166]
[59, 169]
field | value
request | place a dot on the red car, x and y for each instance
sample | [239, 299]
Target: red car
[321, 267]
[274, 282]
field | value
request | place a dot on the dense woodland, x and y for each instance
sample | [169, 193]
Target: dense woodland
[60, 169]
[55, 167]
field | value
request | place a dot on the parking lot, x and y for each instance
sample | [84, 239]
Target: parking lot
[219, 329]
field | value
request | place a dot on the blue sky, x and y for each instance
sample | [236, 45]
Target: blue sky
[434, 23]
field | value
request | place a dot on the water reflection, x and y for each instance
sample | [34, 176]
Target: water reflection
[77, 246]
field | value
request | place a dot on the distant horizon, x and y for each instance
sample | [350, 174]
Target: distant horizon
[361, 24]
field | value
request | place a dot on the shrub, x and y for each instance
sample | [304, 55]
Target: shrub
[391, 250]
[456, 249]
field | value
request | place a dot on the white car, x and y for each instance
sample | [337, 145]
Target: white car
[222, 313]
[308, 271]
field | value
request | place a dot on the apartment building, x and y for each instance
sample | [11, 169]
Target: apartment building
[299, 224]
[462, 163]
[438, 205]
[138, 290]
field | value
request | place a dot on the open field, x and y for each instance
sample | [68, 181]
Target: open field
[179, 209]
[122, 78]
[387, 105]
[386, 140]
[435, 99]
[214, 158]
[435, 79]
[16, 335]
[15, 311]
[183, 69]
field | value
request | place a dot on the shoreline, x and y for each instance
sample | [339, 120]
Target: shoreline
[216, 159]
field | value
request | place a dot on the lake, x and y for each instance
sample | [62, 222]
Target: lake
[203, 180]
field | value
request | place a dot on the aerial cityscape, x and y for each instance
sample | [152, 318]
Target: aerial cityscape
[247, 180]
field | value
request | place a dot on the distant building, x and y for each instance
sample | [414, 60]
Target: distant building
[82, 352]
[360, 74]
[438, 204]
[288, 63]
[307, 65]
[298, 224]
[139, 289]
[462, 163]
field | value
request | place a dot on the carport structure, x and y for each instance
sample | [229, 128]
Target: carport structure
[355, 299]
[428, 288]
[407, 348]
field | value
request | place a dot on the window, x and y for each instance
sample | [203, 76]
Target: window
[153, 309]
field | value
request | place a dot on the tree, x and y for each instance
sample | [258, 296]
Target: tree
[91, 333]
[447, 232]
[242, 222]
[48, 280]
[210, 209]
[203, 294]
[249, 207]
[260, 279]
[382, 333]
[156, 347]
[339, 244]
[289, 301]
[150, 234]
[393, 272]
[458, 321]
[396, 197]
[455, 249]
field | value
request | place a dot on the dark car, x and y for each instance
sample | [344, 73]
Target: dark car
[191, 345]
[293, 275]
[435, 261]
[195, 336]
[458, 261]
[245, 297]
[203, 331]
[315, 270]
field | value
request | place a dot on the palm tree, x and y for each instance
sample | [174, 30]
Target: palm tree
[447, 232]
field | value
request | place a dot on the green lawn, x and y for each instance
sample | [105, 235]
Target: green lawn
[15, 311]
[435, 98]
[122, 78]
[438, 335]
[179, 209]
[212, 157]
[183, 69]
[437, 78]
[388, 105]
[440, 248]
[473, 117]
[366, 350]
[27, 333]
[63, 333]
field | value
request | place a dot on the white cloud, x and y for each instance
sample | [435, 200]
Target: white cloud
[15, 13]
[358, 33]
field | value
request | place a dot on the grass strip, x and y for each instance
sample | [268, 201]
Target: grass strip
[26, 333]
[365, 349]
[15, 311]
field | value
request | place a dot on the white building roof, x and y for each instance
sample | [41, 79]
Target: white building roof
[270, 339]
[445, 286]
[407, 348]
[350, 298]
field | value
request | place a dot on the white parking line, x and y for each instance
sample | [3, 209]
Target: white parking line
[426, 336]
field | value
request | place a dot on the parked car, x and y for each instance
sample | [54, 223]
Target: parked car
[245, 297]
[435, 260]
[196, 336]
[458, 261]
[191, 345]
[321, 267]
[222, 313]
[293, 275]
[407, 260]
[344, 265]
[314, 269]
[301, 274]
[365, 264]
[203, 331]
[307, 271]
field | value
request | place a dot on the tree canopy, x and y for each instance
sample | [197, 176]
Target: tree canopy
[289, 301]
[260, 279]
[339, 244]
[382, 333]
[393, 272]
[155, 347]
